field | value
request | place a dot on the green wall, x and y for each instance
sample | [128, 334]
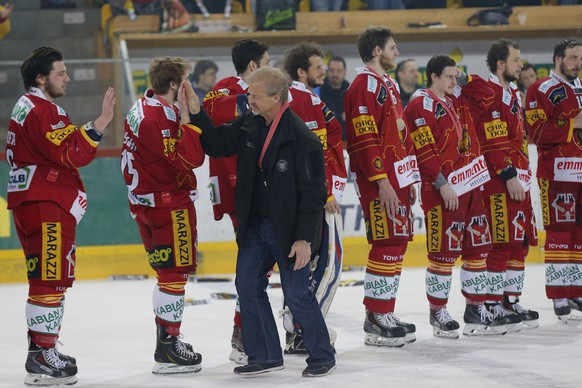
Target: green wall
[107, 221]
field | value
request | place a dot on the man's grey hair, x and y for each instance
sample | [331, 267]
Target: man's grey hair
[275, 81]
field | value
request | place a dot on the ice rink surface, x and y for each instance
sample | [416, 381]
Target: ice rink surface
[109, 327]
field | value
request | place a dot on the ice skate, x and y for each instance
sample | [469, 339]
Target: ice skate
[575, 309]
[381, 330]
[174, 356]
[237, 354]
[443, 325]
[479, 321]
[409, 328]
[46, 368]
[504, 316]
[562, 309]
[529, 318]
[294, 344]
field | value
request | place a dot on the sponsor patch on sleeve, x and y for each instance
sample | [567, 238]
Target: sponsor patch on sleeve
[495, 129]
[533, 115]
[422, 136]
[364, 124]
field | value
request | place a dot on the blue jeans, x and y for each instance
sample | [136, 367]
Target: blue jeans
[258, 253]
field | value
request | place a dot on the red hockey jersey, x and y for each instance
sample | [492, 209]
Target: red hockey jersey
[501, 133]
[44, 151]
[225, 102]
[321, 120]
[159, 155]
[551, 105]
[449, 145]
[379, 143]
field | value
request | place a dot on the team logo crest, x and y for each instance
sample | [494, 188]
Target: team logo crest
[479, 229]
[557, 95]
[564, 207]
[382, 94]
[282, 165]
[519, 223]
[439, 111]
[455, 236]
[378, 164]
[400, 222]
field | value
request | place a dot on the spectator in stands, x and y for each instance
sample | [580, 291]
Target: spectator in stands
[407, 78]
[5, 11]
[204, 78]
[527, 77]
[385, 4]
[326, 5]
[334, 88]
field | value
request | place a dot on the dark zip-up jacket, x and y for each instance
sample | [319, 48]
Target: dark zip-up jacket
[293, 170]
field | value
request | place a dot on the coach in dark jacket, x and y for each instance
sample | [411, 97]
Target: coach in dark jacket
[280, 196]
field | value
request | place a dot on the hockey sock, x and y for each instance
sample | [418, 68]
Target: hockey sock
[438, 279]
[44, 314]
[379, 281]
[515, 275]
[474, 277]
[557, 262]
[168, 301]
[496, 274]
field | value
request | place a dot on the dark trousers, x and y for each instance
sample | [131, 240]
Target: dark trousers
[257, 254]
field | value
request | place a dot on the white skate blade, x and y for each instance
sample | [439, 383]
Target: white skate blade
[514, 327]
[531, 324]
[39, 380]
[376, 340]
[570, 318]
[238, 357]
[452, 334]
[410, 338]
[168, 369]
[474, 329]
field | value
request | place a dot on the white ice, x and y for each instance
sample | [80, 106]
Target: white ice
[109, 327]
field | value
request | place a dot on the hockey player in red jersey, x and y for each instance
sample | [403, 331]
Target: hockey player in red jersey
[554, 119]
[225, 102]
[160, 151]
[453, 170]
[44, 150]
[304, 64]
[385, 168]
[501, 133]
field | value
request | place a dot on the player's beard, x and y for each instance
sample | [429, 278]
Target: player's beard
[313, 82]
[509, 77]
[385, 62]
[568, 74]
[53, 91]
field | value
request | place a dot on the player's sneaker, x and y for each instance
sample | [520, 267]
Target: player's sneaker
[529, 318]
[174, 356]
[443, 325]
[506, 317]
[319, 370]
[409, 328]
[562, 308]
[382, 330]
[46, 368]
[479, 321]
[257, 369]
[237, 354]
